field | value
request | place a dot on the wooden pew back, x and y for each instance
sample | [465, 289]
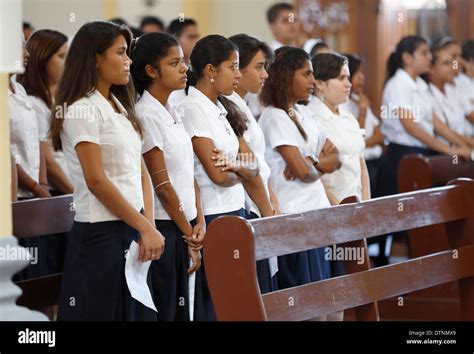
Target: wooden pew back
[233, 245]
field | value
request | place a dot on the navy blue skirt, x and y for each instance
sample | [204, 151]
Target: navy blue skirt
[387, 182]
[94, 286]
[169, 277]
[203, 307]
[266, 282]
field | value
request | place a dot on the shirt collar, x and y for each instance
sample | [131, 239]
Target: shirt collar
[167, 112]
[106, 110]
[211, 108]
[437, 92]
[321, 110]
[408, 80]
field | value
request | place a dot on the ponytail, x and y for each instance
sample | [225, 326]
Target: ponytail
[237, 120]
[407, 44]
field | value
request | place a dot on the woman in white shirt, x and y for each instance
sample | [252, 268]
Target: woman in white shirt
[254, 58]
[158, 69]
[466, 82]
[47, 50]
[408, 120]
[331, 73]
[298, 153]
[212, 122]
[359, 105]
[113, 199]
[446, 103]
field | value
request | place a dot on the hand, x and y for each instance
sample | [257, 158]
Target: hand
[288, 175]
[152, 245]
[195, 257]
[197, 237]
[464, 152]
[41, 191]
[277, 210]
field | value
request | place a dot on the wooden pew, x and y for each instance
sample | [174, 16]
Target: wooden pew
[417, 172]
[233, 245]
[38, 217]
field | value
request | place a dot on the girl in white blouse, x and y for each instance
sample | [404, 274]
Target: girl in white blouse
[298, 152]
[113, 199]
[223, 159]
[158, 69]
[332, 89]
[408, 120]
[48, 51]
[254, 58]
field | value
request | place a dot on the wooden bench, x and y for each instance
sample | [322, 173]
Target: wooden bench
[417, 172]
[39, 217]
[233, 245]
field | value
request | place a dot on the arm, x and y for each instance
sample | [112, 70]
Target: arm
[155, 162]
[443, 130]
[470, 117]
[414, 130]
[298, 166]
[204, 150]
[90, 157]
[256, 190]
[148, 200]
[365, 181]
[274, 200]
[29, 184]
[55, 174]
[14, 181]
[43, 181]
[376, 138]
[329, 160]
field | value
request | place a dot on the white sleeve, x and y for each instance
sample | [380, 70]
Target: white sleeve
[152, 136]
[280, 130]
[195, 122]
[42, 115]
[82, 123]
[396, 96]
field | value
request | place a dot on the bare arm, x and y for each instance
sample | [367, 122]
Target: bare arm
[29, 184]
[298, 166]
[443, 130]
[204, 150]
[376, 138]
[55, 174]
[365, 181]
[329, 160]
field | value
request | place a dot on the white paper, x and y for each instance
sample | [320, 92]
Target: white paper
[136, 273]
[192, 285]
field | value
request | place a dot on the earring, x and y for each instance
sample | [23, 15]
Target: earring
[212, 80]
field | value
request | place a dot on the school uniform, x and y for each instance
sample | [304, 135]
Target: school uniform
[371, 154]
[401, 91]
[176, 97]
[25, 149]
[94, 285]
[345, 133]
[164, 129]
[24, 134]
[253, 136]
[449, 110]
[203, 118]
[43, 114]
[465, 86]
[295, 196]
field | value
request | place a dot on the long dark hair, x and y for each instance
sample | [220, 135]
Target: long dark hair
[149, 49]
[41, 45]
[80, 76]
[278, 89]
[248, 47]
[215, 49]
[407, 44]
[354, 62]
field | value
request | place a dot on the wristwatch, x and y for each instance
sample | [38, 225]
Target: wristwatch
[314, 159]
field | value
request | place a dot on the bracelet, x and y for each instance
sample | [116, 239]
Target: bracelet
[161, 184]
[155, 173]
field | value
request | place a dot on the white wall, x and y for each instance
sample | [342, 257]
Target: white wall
[228, 16]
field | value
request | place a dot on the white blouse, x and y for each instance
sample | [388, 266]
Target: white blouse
[293, 196]
[345, 133]
[371, 122]
[255, 139]
[43, 113]
[163, 128]
[24, 134]
[202, 118]
[401, 91]
[92, 119]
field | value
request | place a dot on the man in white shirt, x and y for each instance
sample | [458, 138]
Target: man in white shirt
[283, 22]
